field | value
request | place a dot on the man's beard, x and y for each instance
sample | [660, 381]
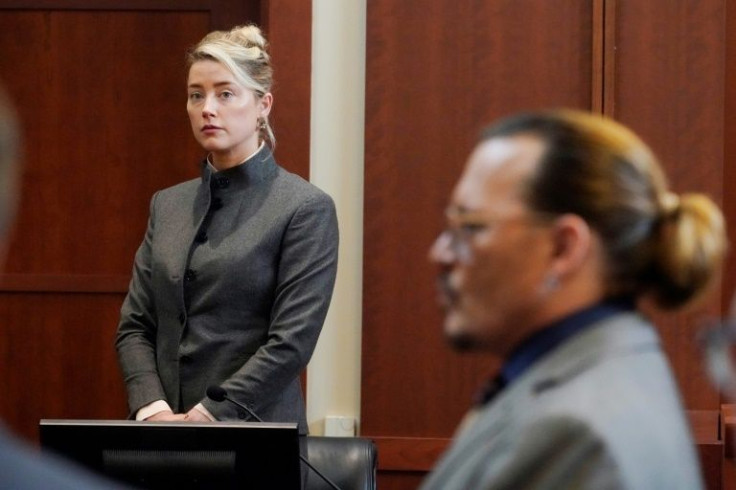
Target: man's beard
[462, 342]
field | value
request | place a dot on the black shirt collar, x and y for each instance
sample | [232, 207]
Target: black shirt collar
[545, 340]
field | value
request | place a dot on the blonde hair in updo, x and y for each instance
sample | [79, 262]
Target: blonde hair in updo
[658, 244]
[243, 51]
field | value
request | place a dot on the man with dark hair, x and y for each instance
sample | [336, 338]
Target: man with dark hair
[560, 223]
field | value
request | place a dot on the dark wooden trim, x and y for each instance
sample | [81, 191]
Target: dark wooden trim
[64, 283]
[609, 58]
[147, 5]
[705, 425]
[729, 150]
[421, 453]
[728, 430]
[596, 103]
[604, 57]
[408, 453]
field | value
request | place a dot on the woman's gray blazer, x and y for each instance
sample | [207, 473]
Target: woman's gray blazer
[230, 287]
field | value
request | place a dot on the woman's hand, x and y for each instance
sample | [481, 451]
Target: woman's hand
[195, 415]
[166, 416]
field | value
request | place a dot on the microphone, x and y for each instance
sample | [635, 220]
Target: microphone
[219, 394]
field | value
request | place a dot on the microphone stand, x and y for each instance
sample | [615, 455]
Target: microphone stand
[222, 395]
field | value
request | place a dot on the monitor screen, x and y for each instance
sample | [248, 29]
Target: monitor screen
[252, 455]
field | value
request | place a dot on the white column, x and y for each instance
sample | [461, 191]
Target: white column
[336, 156]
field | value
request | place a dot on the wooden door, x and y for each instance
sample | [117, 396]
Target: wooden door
[436, 73]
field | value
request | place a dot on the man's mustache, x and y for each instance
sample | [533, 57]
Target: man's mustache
[447, 295]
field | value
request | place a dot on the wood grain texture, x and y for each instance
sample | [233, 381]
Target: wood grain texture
[71, 283]
[288, 24]
[729, 156]
[598, 22]
[604, 57]
[409, 453]
[146, 5]
[609, 58]
[728, 435]
[102, 100]
[58, 360]
[728, 430]
[669, 88]
[437, 73]
[399, 480]
[101, 97]
[705, 425]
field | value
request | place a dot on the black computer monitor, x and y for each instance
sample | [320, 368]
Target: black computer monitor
[253, 455]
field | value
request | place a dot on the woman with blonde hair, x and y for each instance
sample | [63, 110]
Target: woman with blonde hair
[233, 279]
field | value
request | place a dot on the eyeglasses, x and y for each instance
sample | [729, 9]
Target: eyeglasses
[464, 226]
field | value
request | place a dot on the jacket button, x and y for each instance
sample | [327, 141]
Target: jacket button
[242, 415]
[217, 204]
[185, 358]
[201, 237]
[222, 182]
[190, 275]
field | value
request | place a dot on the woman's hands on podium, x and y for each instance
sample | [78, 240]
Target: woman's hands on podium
[195, 415]
[167, 416]
[192, 415]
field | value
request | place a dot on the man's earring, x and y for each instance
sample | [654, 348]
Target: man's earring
[550, 283]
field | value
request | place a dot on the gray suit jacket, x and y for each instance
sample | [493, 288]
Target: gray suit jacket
[230, 287]
[601, 411]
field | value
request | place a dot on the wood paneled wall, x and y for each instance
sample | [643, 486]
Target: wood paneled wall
[100, 89]
[670, 88]
[437, 73]
[729, 196]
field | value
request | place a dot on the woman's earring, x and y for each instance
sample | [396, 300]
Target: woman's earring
[262, 123]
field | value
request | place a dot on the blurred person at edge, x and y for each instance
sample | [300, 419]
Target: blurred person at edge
[21, 467]
[561, 222]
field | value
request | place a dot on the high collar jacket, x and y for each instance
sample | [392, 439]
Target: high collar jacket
[230, 287]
